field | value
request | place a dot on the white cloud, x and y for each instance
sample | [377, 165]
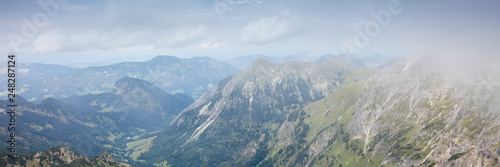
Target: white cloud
[63, 40]
[58, 40]
[51, 41]
[186, 36]
[74, 7]
[209, 44]
[269, 29]
[352, 26]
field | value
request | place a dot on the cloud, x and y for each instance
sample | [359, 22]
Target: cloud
[176, 27]
[51, 41]
[186, 36]
[70, 41]
[74, 7]
[270, 29]
[58, 40]
[360, 24]
[209, 44]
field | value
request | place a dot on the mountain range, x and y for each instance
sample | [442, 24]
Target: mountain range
[59, 156]
[131, 113]
[346, 57]
[418, 112]
[29, 71]
[338, 111]
[192, 77]
[375, 61]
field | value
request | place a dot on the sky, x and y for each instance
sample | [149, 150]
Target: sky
[71, 32]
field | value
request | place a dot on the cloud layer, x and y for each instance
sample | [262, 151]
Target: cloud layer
[241, 27]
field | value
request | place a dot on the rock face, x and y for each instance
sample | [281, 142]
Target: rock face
[422, 111]
[59, 156]
[105, 158]
[243, 112]
[433, 115]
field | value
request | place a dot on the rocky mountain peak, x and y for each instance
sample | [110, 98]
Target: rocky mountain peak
[59, 156]
[260, 95]
[261, 63]
[63, 153]
[105, 156]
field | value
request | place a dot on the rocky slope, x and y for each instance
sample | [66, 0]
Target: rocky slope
[59, 156]
[227, 125]
[438, 113]
[422, 111]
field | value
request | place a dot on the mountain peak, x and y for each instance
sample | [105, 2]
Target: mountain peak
[126, 84]
[105, 156]
[345, 57]
[261, 62]
[260, 68]
[62, 152]
[263, 94]
[139, 94]
[203, 58]
[164, 58]
[325, 58]
[49, 100]
[244, 61]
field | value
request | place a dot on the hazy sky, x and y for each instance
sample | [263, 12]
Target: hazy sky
[69, 31]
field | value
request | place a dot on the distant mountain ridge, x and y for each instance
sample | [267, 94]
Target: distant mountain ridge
[346, 57]
[28, 72]
[243, 61]
[375, 61]
[175, 75]
[34, 70]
